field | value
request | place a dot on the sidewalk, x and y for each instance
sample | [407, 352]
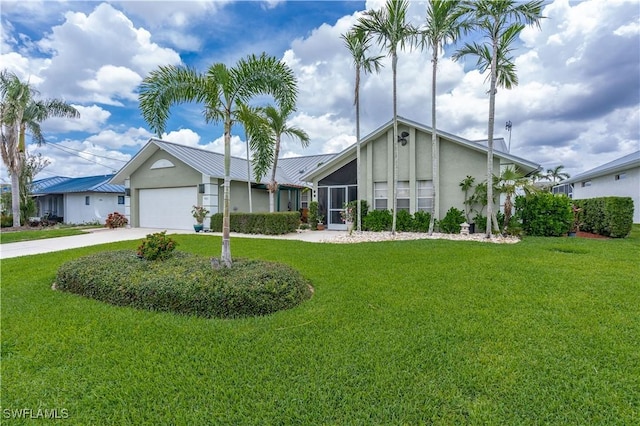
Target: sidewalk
[104, 235]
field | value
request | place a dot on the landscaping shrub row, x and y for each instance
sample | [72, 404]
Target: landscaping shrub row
[259, 223]
[184, 284]
[544, 214]
[610, 216]
[381, 220]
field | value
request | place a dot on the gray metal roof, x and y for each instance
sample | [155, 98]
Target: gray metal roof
[81, 184]
[625, 162]
[212, 163]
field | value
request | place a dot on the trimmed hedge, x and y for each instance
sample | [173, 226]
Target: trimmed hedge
[609, 216]
[544, 214]
[259, 223]
[185, 284]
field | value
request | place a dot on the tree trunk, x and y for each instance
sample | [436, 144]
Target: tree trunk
[394, 63]
[249, 173]
[15, 195]
[358, 170]
[273, 186]
[492, 111]
[435, 151]
[225, 257]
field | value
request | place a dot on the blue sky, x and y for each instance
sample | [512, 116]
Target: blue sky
[577, 103]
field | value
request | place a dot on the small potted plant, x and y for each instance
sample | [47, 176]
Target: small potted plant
[348, 214]
[199, 213]
[320, 226]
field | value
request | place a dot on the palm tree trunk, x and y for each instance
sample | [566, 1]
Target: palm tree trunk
[358, 170]
[492, 112]
[225, 257]
[273, 186]
[15, 194]
[249, 173]
[394, 63]
[435, 151]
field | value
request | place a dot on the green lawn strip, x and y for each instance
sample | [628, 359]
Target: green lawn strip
[544, 331]
[38, 234]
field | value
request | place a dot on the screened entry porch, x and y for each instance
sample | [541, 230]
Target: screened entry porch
[334, 191]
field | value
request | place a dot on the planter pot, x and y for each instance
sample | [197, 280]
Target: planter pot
[472, 228]
[321, 227]
[572, 234]
[198, 227]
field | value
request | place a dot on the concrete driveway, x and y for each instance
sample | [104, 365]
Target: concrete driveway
[104, 235]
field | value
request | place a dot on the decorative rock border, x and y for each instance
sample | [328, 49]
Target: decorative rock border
[367, 236]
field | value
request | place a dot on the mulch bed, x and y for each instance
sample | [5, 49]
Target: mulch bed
[581, 234]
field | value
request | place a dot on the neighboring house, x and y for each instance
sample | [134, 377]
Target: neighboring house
[165, 180]
[620, 178]
[78, 200]
[335, 182]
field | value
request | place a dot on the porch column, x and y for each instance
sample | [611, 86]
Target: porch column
[209, 197]
[413, 158]
[127, 201]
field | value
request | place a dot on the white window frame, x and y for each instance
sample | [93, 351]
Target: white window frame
[304, 199]
[380, 193]
[424, 195]
[403, 195]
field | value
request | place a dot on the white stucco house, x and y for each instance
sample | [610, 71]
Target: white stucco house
[619, 178]
[164, 180]
[78, 200]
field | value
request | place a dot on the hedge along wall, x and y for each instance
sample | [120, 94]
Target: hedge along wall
[259, 223]
[610, 216]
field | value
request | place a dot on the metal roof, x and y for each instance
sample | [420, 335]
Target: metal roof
[499, 148]
[212, 163]
[625, 162]
[62, 185]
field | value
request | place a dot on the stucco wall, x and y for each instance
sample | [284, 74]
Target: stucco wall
[100, 205]
[608, 186]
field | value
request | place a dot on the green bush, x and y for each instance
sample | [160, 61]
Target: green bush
[421, 221]
[544, 214]
[156, 246]
[404, 221]
[609, 216]
[451, 222]
[259, 223]
[185, 284]
[6, 221]
[377, 221]
[480, 223]
[313, 215]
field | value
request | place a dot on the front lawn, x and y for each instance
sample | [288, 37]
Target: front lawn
[37, 234]
[545, 331]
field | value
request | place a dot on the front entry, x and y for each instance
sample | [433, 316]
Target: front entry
[336, 197]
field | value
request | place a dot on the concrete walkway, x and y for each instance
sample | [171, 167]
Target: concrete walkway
[103, 236]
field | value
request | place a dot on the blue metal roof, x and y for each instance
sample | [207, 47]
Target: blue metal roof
[62, 185]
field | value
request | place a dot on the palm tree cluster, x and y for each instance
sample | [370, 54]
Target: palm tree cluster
[21, 112]
[499, 21]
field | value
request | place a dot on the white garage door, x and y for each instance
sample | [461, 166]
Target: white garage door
[168, 208]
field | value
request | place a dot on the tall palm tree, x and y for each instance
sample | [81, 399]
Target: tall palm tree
[556, 174]
[276, 126]
[359, 42]
[21, 112]
[501, 21]
[445, 22]
[390, 28]
[219, 89]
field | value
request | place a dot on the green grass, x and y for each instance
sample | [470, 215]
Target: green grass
[37, 234]
[417, 332]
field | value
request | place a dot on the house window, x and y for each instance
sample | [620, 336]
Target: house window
[586, 183]
[120, 199]
[304, 200]
[424, 189]
[402, 199]
[380, 195]
[621, 176]
[87, 200]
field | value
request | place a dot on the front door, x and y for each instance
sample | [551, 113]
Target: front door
[337, 198]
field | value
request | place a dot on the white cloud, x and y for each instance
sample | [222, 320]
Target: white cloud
[132, 137]
[92, 119]
[183, 136]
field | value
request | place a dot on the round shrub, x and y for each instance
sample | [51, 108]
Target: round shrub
[156, 246]
[451, 222]
[185, 284]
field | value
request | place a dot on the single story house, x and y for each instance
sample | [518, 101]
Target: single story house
[78, 200]
[620, 178]
[335, 181]
[164, 180]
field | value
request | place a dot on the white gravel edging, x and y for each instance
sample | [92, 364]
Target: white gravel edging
[367, 236]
